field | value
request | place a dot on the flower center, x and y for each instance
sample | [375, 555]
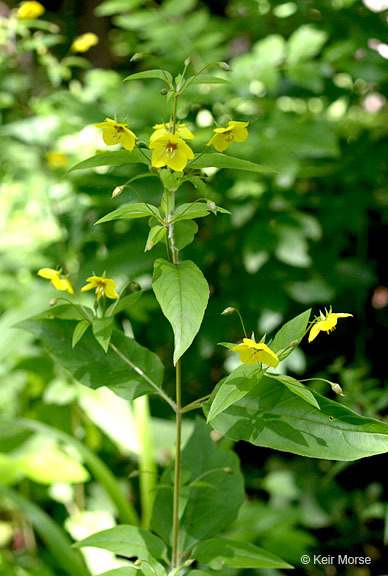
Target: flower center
[171, 148]
[228, 136]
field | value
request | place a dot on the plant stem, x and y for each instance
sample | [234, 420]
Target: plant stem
[177, 474]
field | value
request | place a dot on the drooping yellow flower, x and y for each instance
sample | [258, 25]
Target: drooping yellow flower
[116, 133]
[170, 150]
[104, 287]
[326, 323]
[56, 159]
[181, 130]
[30, 10]
[60, 282]
[84, 42]
[252, 353]
[223, 137]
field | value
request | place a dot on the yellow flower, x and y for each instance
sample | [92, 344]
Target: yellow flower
[115, 133]
[104, 287]
[326, 323]
[84, 42]
[223, 137]
[56, 159]
[59, 282]
[30, 10]
[170, 150]
[252, 353]
[181, 130]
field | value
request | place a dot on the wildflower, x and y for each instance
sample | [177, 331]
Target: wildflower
[325, 322]
[56, 159]
[252, 353]
[170, 150]
[181, 130]
[60, 282]
[84, 42]
[30, 10]
[115, 133]
[223, 137]
[104, 287]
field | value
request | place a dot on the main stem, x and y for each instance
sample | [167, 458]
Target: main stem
[178, 417]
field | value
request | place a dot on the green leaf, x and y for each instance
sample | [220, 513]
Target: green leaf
[123, 571]
[229, 345]
[156, 234]
[88, 363]
[79, 331]
[195, 210]
[207, 80]
[292, 331]
[154, 74]
[219, 553]
[128, 541]
[50, 532]
[115, 158]
[102, 330]
[272, 416]
[211, 494]
[297, 388]
[183, 294]
[135, 210]
[305, 43]
[216, 160]
[123, 303]
[234, 387]
[185, 232]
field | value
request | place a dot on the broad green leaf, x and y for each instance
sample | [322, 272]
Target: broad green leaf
[234, 387]
[110, 7]
[79, 331]
[115, 158]
[229, 345]
[102, 330]
[216, 160]
[151, 74]
[123, 303]
[127, 211]
[127, 541]
[64, 311]
[207, 80]
[272, 416]
[305, 43]
[122, 571]
[185, 232]
[195, 210]
[56, 540]
[219, 553]
[297, 388]
[291, 332]
[182, 293]
[156, 234]
[211, 494]
[88, 363]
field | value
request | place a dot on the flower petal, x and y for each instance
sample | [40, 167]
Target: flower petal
[48, 273]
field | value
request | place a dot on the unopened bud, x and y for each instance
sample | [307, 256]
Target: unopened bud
[224, 66]
[95, 305]
[53, 302]
[337, 389]
[138, 562]
[228, 470]
[189, 562]
[187, 61]
[294, 343]
[229, 310]
[135, 286]
[212, 206]
[117, 191]
[134, 474]
[136, 57]
[164, 91]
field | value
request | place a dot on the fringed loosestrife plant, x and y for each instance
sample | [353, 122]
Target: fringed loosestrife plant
[257, 402]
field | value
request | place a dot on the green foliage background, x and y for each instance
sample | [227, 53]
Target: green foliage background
[311, 78]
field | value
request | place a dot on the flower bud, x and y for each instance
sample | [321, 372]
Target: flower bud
[229, 310]
[136, 57]
[164, 91]
[337, 389]
[294, 343]
[187, 61]
[189, 562]
[224, 66]
[228, 470]
[117, 191]
[138, 562]
[135, 286]
[212, 206]
[53, 302]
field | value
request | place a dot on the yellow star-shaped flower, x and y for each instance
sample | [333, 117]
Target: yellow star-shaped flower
[223, 137]
[30, 10]
[252, 353]
[116, 133]
[325, 323]
[104, 287]
[59, 282]
[181, 130]
[170, 150]
[84, 42]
